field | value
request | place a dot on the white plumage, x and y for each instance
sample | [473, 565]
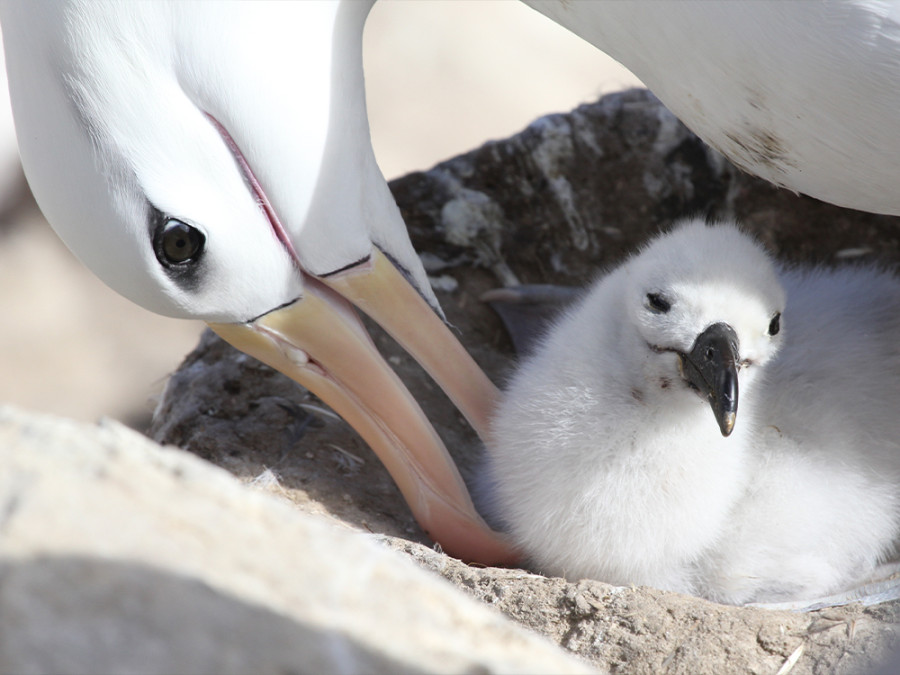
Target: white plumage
[606, 463]
[803, 94]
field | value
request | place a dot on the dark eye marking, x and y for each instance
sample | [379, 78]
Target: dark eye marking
[178, 246]
[658, 303]
[775, 324]
[177, 243]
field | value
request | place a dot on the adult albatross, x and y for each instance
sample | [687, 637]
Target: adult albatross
[213, 161]
[804, 94]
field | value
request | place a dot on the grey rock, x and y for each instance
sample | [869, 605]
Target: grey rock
[120, 556]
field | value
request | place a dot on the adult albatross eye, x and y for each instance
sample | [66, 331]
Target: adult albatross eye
[775, 324]
[178, 243]
[658, 303]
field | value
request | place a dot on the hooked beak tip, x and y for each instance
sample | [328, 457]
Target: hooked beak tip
[711, 368]
[726, 423]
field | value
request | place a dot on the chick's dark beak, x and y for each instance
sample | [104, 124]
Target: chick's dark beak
[711, 367]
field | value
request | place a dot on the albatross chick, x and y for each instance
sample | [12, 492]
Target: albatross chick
[708, 422]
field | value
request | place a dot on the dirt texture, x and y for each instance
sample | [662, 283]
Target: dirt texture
[568, 197]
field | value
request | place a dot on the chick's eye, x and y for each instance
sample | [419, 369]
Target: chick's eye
[178, 243]
[658, 303]
[775, 324]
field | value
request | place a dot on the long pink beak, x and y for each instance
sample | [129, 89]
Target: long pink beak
[320, 342]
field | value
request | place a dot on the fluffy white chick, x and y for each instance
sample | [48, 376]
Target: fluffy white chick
[620, 453]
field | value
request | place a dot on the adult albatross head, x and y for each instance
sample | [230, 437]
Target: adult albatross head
[192, 158]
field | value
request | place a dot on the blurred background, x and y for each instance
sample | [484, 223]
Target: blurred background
[442, 77]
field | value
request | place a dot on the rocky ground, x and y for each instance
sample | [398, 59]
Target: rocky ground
[567, 197]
